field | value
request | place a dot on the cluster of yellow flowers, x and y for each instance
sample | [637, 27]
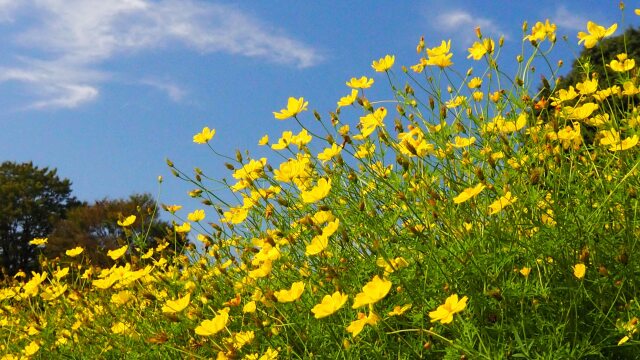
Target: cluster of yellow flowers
[395, 222]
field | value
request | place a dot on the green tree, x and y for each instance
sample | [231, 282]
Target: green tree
[94, 227]
[31, 201]
[594, 60]
[592, 63]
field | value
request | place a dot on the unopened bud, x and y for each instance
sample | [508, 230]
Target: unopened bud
[478, 32]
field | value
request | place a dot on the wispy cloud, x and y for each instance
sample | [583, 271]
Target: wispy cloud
[460, 24]
[74, 38]
[569, 20]
[173, 91]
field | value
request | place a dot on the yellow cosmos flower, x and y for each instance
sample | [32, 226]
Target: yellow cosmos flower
[372, 292]
[419, 67]
[587, 87]
[147, 255]
[213, 326]
[451, 306]
[629, 88]
[196, 215]
[320, 242]
[391, 265]
[455, 102]
[439, 55]
[570, 136]
[580, 112]
[38, 241]
[302, 138]
[263, 270]
[365, 150]
[625, 144]
[329, 304]
[525, 271]
[349, 99]
[541, 31]
[60, 273]
[117, 253]
[596, 33]
[443, 49]
[283, 141]
[120, 327]
[399, 310]
[356, 326]
[270, 354]
[317, 245]
[249, 307]
[290, 295]
[441, 61]
[479, 49]
[75, 251]
[344, 130]
[318, 192]
[474, 83]
[468, 193]
[184, 228]
[610, 137]
[127, 221]
[501, 203]
[361, 83]
[172, 208]
[31, 349]
[371, 122]
[104, 283]
[384, 63]
[329, 153]
[174, 306]
[263, 140]
[579, 270]
[204, 136]
[460, 142]
[622, 64]
[122, 297]
[294, 107]
[564, 95]
[242, 338]
[53, 292]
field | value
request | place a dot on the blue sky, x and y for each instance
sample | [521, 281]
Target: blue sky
[104, 91]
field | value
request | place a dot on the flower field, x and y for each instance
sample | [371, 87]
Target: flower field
[472, 216]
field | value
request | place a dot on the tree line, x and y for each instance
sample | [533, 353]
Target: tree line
[35, 203]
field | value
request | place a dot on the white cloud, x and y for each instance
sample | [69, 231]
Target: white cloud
[461, 25]
[7, 7]
[569, 19]
[173, 91]
[73, 38]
